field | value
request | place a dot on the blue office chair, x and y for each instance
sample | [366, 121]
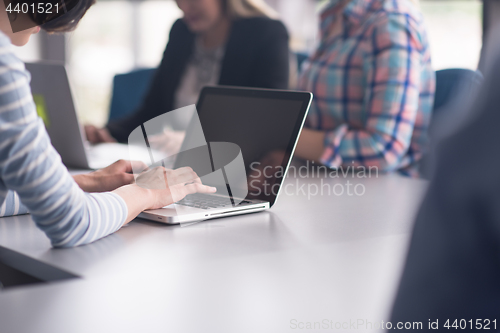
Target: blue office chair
[301, 57]
[129, 90]
[454, 87]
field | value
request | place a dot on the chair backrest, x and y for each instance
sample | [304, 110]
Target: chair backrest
[452, 82]
[454, 87]
[129, 90]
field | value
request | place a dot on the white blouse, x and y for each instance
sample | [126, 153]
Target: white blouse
[203, 69]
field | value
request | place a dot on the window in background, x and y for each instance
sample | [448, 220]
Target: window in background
[155, 18]
[115, 37]
[302, 21]
[454, 28]
[98, 49]
[455, 32]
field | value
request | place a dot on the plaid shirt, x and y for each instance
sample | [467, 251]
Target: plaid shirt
[373, 85]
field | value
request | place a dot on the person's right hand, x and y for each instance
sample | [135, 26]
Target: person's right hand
[97, 135]
[160, 187]
[170, 186]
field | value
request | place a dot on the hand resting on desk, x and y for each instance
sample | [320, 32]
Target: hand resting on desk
[97, 135]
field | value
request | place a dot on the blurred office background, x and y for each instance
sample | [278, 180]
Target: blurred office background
[117, 36]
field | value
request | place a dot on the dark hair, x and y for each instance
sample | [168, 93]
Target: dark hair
[50, 15]
[67, 21]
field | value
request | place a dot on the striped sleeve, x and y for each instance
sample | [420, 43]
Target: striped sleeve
[393, 70]
[12, 206]
[31, 167]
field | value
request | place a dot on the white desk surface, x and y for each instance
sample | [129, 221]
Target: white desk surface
[337, 258]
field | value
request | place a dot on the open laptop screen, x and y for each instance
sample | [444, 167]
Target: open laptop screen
[264, 124]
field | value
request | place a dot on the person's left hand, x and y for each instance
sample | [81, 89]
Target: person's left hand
[110, 178]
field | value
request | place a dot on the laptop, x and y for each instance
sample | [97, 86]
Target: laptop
[250, 137]
[53, 98]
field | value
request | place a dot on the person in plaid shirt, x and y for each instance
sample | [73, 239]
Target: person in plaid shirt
[373, 87]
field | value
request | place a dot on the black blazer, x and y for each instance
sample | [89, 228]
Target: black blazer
[257, 55]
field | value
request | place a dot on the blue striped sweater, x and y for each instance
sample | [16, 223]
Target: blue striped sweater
[32, 176]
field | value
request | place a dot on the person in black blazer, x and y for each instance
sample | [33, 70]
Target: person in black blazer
[256, 54]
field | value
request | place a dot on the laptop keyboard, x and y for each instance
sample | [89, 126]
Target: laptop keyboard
[206, 201]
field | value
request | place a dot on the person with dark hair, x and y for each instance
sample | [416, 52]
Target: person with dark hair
[32, 176]
[47, 13]
[226, 42]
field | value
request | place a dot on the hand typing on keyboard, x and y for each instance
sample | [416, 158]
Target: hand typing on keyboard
[207, 201]
[170, 186]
